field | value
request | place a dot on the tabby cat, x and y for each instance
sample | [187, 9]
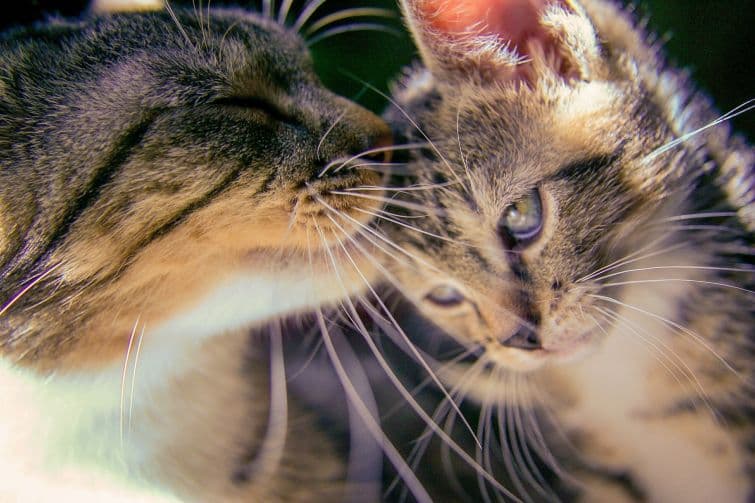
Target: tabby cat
[583, 233]
[163, 188]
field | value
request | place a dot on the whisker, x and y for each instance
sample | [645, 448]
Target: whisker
[418, 357]
[675, 325]
[378, 235]
[330, 129]
[394, 202]
[181, 29]
[399, 386]
[537, 480]
[133, 376]
[349, 28]
[735, 112]
[28, 287]
[270, 452]
[680, 280]
[372, 151]
[284, 10]
[412, 121]
[123, 379]
[307, 13]
[346, 14]
[632, 258]
[696, 216]
[674, 267]
[407, 226]
[415, 486]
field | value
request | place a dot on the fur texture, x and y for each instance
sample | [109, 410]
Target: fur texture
[162, 189]
[586, 239]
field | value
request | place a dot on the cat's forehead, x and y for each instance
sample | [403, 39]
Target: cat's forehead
[523, 136]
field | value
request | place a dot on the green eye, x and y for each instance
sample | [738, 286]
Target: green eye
[445, 296]
[523, 220]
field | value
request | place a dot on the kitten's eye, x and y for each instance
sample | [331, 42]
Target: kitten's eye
[445, 296]
[523, 220]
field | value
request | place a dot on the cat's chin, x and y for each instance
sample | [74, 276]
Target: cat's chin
[486, 375]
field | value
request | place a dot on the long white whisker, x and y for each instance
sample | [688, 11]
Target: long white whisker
[413, 123]
[133, 376]
[28, 287]
[402, 389]
[307, 13]
[735, 112]
[375, 150]
[284, 10]
[633, 257]
[696, 216]
[123, 379]
[329, 130]
[402, 204]
[673, 267]
[352, 28]
[181, 29]
[680, 280]
[675, 325]
[346, 14]
[373, 427]
[396, 325]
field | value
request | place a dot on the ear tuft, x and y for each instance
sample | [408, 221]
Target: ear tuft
[502, 40]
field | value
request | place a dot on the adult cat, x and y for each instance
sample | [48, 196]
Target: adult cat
[587, 242]
[159, 194]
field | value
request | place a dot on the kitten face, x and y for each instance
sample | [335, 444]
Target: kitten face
[543, 174]
[147, 159]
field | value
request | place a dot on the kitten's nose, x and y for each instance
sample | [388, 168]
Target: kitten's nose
[524, 338]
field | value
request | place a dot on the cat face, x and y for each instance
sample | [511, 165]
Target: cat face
[146, 158]
[542, 173]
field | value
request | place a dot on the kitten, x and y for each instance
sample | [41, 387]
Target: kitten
[163, 188]
[584, 235]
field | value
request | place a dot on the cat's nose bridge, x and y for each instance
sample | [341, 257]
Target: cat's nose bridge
[351, 131]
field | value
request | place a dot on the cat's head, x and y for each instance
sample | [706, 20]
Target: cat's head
[148, 157]
[543, 171]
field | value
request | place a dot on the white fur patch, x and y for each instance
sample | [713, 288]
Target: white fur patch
[670, 457]
[67, 437]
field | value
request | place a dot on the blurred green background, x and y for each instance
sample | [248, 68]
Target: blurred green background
[714, 39]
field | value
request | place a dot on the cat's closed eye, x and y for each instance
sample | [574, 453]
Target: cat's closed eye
[253, 103]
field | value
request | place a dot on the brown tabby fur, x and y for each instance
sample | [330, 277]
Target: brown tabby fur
[159, 194]
[648, 371]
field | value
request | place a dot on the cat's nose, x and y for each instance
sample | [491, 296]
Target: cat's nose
[525, 338]
[380, 147]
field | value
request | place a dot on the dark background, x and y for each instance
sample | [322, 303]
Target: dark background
[714, 39]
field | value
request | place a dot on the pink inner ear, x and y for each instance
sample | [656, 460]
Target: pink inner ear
[514, 21]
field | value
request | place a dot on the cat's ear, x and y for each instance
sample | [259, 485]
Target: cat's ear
[504, 40]
[112, 6]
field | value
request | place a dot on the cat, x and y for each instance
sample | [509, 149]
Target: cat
[579, 233]
[164, 186]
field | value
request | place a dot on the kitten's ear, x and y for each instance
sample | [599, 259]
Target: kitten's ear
[112, 6]
[504, 40]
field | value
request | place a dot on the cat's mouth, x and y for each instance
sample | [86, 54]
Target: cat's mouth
[454, 360]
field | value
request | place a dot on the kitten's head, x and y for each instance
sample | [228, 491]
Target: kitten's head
[148, 157]
[544, 119]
